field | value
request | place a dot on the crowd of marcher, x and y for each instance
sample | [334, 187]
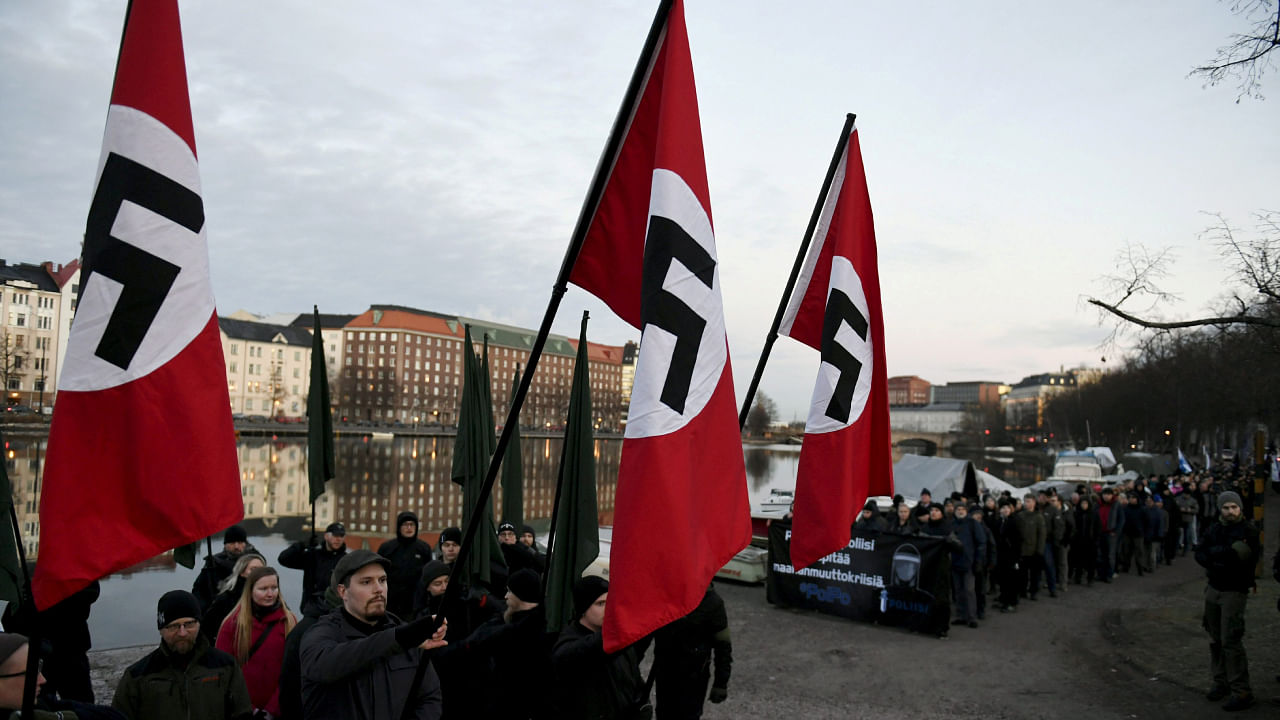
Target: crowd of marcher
[377, 639]
[1006, 550]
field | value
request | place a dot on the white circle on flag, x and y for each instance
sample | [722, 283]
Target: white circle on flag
[845, 278]
[648, 416]
[188, 306]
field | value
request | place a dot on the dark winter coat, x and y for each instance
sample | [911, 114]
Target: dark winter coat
[513, 656]
[1088, 528]
[353, 671]
[218, 610]
[407, 556]
[1135, 521]
[1032, 528]
[1008, 542]
[590, 684]
[973, 540]
[204, 685]
[316, 563]
[682, 656]
[1229, 553]
[217, 567]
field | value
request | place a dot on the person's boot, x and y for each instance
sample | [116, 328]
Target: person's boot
[1217, 692]
[1238, 702]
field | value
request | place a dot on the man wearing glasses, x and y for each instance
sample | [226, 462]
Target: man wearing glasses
[1229, 553]
[185, 677]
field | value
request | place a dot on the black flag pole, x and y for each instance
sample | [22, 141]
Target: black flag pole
[795, 270]
[34, 640]
[603, 169]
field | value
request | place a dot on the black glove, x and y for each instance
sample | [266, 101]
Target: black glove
[718, 694]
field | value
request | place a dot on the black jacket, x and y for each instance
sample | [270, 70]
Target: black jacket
[217, 567]
[316, 563]
[512, 657]
[682, 657]
[1229, 553]
[352, 671]
[590, 684]
[408, 556]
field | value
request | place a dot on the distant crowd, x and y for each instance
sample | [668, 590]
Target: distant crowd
[377, 640]
[1007, 551]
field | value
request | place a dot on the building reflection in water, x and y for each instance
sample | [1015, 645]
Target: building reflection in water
[376, 479]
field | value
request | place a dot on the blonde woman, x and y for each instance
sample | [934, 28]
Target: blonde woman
[254, 632]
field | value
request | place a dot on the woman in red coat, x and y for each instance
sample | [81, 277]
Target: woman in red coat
[254, 633]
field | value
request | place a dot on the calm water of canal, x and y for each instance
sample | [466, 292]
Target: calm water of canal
[377, 478]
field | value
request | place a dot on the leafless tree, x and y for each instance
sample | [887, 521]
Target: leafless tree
[13, 357]
[1252, 260]
[1247, 56]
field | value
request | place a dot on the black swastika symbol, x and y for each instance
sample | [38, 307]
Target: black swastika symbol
[144, 277]
[665, 243]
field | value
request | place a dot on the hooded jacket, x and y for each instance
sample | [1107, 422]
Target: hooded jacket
[407, 556]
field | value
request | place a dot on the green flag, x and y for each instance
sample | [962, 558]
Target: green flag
[320, 463]
[10, 563]
[471, 452]
[513, 471]
[577, 531]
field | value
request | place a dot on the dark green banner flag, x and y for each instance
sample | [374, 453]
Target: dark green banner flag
[471, 452]
[577, 531]
[10, 564]
[513, 472]
[320, 463]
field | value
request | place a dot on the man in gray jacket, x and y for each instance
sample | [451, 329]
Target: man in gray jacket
[359, 662]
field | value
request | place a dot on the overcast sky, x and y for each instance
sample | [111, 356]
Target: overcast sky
[437, 154]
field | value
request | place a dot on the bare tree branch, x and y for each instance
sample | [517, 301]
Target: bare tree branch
[1240, 319]
[1248, 55]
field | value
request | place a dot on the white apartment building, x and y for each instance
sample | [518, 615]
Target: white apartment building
[268, 367]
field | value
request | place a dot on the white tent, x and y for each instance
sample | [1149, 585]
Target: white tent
[943, 476]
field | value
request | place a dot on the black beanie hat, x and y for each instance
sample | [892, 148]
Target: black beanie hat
[9, 644]
[175, 605]
[451, 534]
[586, 591]
[506, 526]
[433, 570]
[526, 585]
[235, 533]
[527, 529]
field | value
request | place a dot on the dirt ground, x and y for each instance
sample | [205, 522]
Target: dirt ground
[1130, 649]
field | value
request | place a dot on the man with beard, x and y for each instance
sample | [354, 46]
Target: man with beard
[316, 563]
[218, 567]
[185, 677]
[407, 555]
[359, 662]
[1229, 552]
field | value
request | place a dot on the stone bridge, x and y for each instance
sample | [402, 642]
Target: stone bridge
[923, 443]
